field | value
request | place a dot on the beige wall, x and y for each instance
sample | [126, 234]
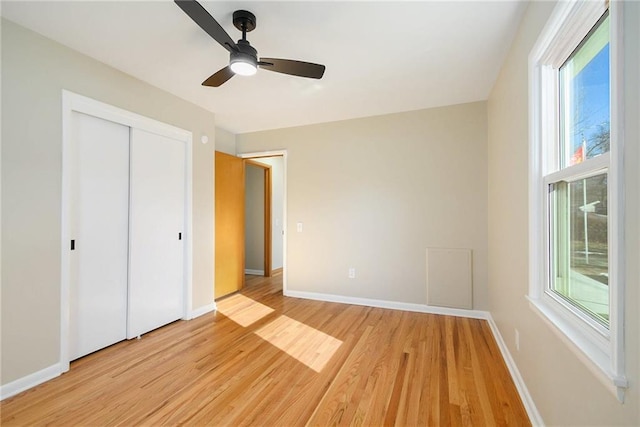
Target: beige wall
[564, 390]
[374, 193]
[225, 141]
[35, 70]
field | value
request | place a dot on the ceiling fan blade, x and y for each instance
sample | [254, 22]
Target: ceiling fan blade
[219, 77]
[294, 68]
[201, 17]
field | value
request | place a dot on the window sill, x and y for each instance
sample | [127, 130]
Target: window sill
[582, 345]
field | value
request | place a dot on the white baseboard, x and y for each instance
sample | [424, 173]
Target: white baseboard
[392, 305]
[202, 310]
[527, 400]
[31, 380]
[254, 272]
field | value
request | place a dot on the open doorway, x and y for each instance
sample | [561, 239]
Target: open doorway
[264, 215]
[257, 219]
[230, 221]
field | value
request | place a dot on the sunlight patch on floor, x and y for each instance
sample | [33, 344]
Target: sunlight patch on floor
[242, 310]
[310, 346]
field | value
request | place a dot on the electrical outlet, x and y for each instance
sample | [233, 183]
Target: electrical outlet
[352, 273]
[517, 340]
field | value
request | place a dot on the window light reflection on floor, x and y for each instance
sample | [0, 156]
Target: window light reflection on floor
[242, 310]
[308, 345]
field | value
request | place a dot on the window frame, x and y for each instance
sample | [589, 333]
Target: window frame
[601, 349]
[597, 166]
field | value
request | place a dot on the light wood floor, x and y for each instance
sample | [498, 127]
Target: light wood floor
[264, 359]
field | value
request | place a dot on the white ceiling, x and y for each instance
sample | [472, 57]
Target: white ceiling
[381, 57]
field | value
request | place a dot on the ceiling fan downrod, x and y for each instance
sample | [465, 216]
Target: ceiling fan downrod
[244, 21]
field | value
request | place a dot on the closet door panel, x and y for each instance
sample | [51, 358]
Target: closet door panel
[99, 228]
[156, 271]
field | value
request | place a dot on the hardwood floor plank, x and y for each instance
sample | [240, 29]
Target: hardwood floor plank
[392, 413]
[264, 359]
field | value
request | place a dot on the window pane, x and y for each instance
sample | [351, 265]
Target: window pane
[580, 272]
[584, 98]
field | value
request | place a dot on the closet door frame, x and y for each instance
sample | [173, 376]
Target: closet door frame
[72, 102]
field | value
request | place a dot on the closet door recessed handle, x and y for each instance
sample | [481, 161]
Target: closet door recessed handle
[179, 236]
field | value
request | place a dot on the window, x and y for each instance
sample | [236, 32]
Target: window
[575, 183]
[577, 205]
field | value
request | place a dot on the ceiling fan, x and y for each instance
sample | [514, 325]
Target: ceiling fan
[244, 58]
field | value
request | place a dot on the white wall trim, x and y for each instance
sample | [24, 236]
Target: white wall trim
[99, 109]
[283, 154]
[392, 305]
[30, 381]
[188, 219]
[523, 391]
[200, 311]
[72, 102]
[254, 272]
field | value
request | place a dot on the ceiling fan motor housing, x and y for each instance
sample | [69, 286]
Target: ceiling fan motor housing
[245, 53]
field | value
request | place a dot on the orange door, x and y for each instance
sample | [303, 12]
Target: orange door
[229, 258]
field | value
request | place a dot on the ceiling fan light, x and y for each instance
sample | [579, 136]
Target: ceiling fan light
[243, 68]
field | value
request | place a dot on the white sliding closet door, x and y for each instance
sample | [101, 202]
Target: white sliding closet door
[99, 229]
[157, 221]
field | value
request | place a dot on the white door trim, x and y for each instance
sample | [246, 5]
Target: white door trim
[73, 102]
[283, 154]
